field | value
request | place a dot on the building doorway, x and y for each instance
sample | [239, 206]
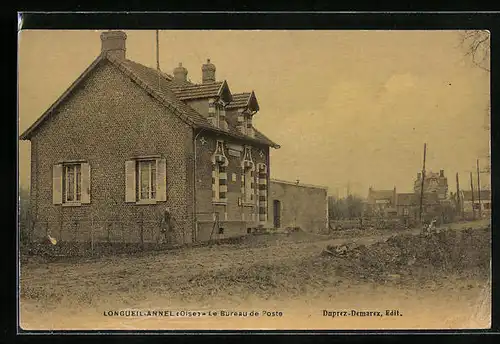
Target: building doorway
[277, 213]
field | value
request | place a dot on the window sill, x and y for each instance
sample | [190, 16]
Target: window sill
[72, 204]
[248, 204]
[219, 202]
[146, 202]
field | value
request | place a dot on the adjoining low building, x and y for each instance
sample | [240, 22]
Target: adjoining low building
[297, 205]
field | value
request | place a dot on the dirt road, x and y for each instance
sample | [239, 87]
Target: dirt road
[193, 261]
[70, 292]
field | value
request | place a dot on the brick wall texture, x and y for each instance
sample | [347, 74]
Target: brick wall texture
[107, 120]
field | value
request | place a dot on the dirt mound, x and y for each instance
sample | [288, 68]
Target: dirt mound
[448, 251]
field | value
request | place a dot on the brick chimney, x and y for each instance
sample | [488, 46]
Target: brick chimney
[208, 72]
[113, 43]
[180, 73]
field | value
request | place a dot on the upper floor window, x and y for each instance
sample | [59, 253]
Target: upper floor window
[217, 114]
[219, 174]
[247, 177]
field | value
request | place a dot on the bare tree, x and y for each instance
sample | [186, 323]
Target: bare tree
[477, 45]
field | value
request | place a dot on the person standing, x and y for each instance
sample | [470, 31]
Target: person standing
[166, 225]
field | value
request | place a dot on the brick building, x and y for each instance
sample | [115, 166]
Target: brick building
[298, 205]
[126, 141]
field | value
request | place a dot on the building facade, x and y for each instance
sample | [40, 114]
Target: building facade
[296, 204]
[126, 142]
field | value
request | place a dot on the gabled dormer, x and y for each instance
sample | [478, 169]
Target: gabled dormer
[245, 106]
[209, 98]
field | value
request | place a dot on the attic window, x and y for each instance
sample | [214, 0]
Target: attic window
[217, 114]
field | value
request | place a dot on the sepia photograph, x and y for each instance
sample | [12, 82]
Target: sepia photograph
[254, 180]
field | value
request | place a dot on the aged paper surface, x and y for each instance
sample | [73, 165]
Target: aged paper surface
[174, 180]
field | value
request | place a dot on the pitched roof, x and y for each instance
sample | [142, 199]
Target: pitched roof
[244, 100]
[148, 79]
[380, 194]
[161, 88]
[467, 195]
[198, 91]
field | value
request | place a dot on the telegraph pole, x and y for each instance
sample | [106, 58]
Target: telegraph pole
[459, 203]
[158, 56]
[422, 185]
[473, 203]
[478, 187]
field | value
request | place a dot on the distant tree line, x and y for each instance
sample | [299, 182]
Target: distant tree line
[346, 208]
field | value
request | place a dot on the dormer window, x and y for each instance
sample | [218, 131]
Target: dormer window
[217, 114]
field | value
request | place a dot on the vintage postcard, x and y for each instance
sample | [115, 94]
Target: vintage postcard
[254, 180]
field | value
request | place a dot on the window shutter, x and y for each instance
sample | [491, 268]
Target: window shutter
[130, 181]
[85, 168]
[57, 181]
[161, 179]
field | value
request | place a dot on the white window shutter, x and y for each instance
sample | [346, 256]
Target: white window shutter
[57, 182]
[130, 180]
[85, 169]
[161, 179]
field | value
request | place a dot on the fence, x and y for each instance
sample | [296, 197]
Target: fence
[378, 223]
[88, 236]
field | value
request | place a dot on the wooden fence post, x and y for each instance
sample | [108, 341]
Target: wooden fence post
[142, 229]
[91, 234]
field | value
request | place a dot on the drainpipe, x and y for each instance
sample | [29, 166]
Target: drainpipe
[195, 217]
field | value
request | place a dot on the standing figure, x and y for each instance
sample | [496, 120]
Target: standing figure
[166, 225]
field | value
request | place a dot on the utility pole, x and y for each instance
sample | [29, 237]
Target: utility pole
[459, 203]
[158, 56]
[422, 185]
[473, 203]
[478, 188]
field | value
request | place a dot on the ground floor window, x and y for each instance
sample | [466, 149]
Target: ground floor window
[146, 181]
[72, 183]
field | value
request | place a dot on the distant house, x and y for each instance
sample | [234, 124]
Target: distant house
[434, 183]
[471, 205]
[381, 202]
[407, 204]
